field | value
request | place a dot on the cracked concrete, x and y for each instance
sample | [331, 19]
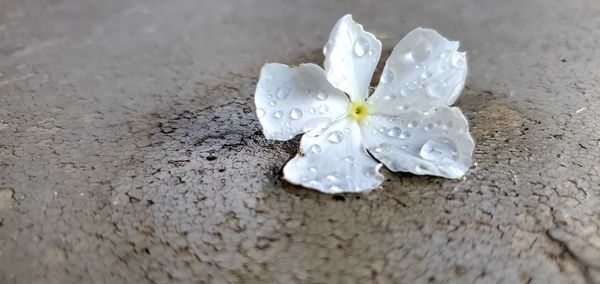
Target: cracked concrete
[129, 151]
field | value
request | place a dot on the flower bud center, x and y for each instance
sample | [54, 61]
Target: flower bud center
[358, 111]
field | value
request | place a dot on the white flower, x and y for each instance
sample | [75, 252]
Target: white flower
[406, 123]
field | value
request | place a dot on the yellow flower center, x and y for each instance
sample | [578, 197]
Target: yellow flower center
[358, 111]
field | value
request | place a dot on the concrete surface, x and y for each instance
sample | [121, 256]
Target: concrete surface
[129, 151]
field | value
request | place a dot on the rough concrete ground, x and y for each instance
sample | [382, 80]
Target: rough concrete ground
[130, 152]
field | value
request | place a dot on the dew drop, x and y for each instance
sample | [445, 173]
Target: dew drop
[334, 188]
[382, 148]
[405, 135]
[421, 169]
[426, 75]
[312, 169]
[278, 114]
[388, 76]
[295, 114]
[428, 127]
[394, 132]
[311, 110]
[361, 47]
[430, 91]
[404, 107]
[283, 92]
[458, 60]
[348, 159]
[323, 109]
[420, 52]
[316, 149]
[439, 150]
[260, 113]
[322, 95]
[272, 103]
[413, 124]
[336, 137]
[331, 178]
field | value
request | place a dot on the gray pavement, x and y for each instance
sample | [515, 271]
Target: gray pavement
[130, 152]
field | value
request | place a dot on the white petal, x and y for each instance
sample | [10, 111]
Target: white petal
[424, 70]
[334, 161]
[436, 142]
[351, 55]
[294, 100]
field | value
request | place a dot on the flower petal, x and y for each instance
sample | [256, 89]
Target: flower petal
[423, 71]
[334, 161]
[436, 142]
[351, 55]
[294, 100]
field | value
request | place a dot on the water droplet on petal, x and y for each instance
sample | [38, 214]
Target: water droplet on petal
[312, 169]
[315, 149]
[413, 124]
[361, 47]
[323, 109]
[439, 150]
[388, 76]
[334, 188]
[260, 113]
[428, 127]
[458, 60]
[322, 95]
[278, 114]
[336, 137]
[421, 169]
[331, 178]
[426, 75]
[311, 110]
[295, 114]
[382, 148]
[272, 103]
[420, 52]
[405, 134]
[283, 92]
[394, 132]
[348, 159]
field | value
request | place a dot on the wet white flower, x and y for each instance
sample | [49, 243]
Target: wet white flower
[407, 123]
